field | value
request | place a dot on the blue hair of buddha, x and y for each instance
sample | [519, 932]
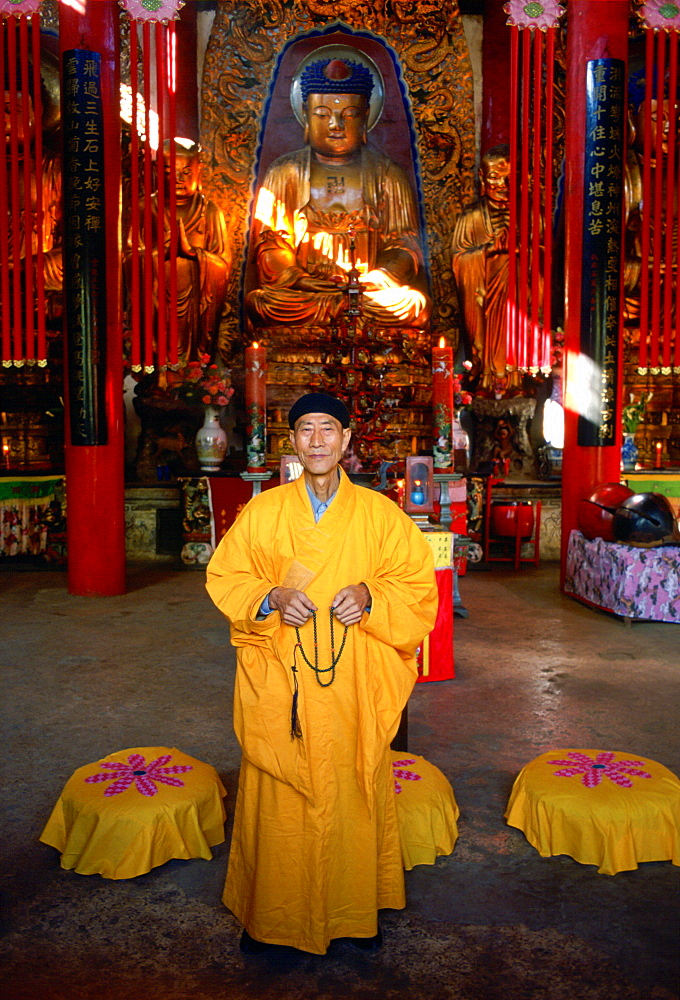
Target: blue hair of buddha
[335, 76]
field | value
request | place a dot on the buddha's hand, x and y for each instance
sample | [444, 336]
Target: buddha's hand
[308, 283]
[378, 280]
[184, 247]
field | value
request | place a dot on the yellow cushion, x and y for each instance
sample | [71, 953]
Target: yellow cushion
[612, 809]
[136, 809]
[426, 810]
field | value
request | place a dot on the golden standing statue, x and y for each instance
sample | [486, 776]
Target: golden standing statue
[203, 260]
[336, 202]
[480, 268]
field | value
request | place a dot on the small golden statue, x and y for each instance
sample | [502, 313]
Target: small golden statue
[480, 269]
[333, 200]
[203, 260]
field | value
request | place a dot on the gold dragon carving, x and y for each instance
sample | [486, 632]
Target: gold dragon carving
[240, 61]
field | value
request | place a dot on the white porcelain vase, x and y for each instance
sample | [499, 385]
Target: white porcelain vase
[211, 441]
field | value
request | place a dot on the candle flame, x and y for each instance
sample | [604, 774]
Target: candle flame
[442, 342]
[255, 344]
[417, 482]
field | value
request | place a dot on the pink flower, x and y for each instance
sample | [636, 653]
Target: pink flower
[543, 15]
[404, 775]
[661, 15]
[144, 775]
[603, 765]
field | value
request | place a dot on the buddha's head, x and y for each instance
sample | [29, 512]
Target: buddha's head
[336, 95]
[659, 119]
[187, 171]
[18, 131]
[494, 175]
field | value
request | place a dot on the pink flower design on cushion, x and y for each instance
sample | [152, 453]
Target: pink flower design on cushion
[142, 774]
[604, 765]
[397, 770]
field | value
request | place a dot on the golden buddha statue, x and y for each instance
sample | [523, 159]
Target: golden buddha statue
[334, 206]
[49, 238]
[480, 268]
[203, 260]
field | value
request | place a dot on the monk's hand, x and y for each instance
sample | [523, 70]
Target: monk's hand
[350, 603]
[294, 606]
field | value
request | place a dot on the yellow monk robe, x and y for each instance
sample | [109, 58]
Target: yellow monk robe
[315, 850]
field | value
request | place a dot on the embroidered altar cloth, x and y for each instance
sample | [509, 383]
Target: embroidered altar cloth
[630, 581]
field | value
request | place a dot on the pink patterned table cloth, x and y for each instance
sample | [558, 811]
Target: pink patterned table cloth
[633, 582]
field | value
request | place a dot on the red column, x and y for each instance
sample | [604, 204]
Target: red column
[95, 474]
[595, 29]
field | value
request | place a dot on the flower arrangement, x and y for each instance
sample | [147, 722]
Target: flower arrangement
[633, 412]
[200, 381]
[460, 398]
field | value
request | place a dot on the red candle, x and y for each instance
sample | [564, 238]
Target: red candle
[442, 404]
[659, 449]
[256, 407]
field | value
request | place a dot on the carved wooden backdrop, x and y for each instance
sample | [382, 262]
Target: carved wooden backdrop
[428, 39]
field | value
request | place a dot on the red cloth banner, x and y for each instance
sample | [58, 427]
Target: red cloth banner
[153, 239]
[435, 655]
[530, 251]
[659, 288]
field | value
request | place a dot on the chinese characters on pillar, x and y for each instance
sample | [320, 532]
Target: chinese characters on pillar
[602, 219]
[84, 264]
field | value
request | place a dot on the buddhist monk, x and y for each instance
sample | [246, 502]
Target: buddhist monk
[329, 588]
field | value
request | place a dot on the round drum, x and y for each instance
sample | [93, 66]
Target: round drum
[510, 517]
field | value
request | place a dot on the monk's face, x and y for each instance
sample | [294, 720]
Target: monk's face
[495, 179]
[320, 442]
[336, 124]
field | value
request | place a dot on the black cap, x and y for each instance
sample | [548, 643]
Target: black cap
[318, 402]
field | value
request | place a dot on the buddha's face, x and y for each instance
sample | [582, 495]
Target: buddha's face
[19, 131]
[187, 175]
[495, 181]
[336, 124]
[660, 118]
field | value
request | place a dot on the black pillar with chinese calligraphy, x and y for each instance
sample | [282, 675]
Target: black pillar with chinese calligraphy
[601, 265]
[84, 257]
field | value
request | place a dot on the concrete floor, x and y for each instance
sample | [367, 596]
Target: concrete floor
[535, 671]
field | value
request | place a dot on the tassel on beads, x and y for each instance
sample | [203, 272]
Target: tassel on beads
[295, 727]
